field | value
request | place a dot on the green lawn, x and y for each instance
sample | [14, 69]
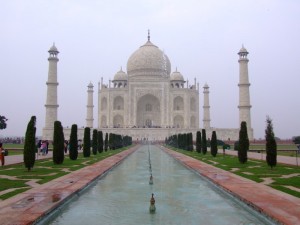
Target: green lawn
[254, 170]
[45, 171]
[13, 146]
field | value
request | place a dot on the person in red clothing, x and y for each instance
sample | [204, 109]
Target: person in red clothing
[2, 154]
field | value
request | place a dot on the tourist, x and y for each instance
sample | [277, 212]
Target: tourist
[66, 146]
[44, 147]
[2, 154]
[39, 145]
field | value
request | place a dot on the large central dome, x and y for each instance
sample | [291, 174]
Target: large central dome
[148, 60]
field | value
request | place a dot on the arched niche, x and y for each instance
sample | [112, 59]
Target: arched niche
[103, 121]
[118, 121]
[148, 111]
[118, 103]
[178, 121]
[193, 122]
[178, 103]
[193, 104]
[103, 103]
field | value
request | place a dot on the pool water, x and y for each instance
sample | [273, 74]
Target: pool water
[122, 197]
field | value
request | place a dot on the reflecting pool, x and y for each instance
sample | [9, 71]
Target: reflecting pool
[122, 196]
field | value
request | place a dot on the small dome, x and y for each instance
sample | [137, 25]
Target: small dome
[53, 49]
[90, 85]
[148, 60]
[176, 76]
[121, 75]
[243, 50]
[205, 86]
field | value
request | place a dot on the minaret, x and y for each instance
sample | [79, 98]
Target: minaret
[90, 106]
[51, 101]
[206, 111]
[244, 94]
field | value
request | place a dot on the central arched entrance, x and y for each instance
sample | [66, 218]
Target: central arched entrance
[148, 111]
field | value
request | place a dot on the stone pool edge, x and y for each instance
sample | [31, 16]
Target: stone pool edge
[277, 205]
[31, 206]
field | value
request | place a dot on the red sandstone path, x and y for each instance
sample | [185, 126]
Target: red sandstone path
[29, 206]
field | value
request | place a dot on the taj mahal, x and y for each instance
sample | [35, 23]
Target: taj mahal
[149, 102]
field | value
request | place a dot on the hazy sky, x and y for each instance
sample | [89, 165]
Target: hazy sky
[201, 38]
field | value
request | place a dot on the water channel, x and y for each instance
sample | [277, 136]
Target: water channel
[122, 196]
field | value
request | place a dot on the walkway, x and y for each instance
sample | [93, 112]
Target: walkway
[30, 206]
[15, 159]
[262, 156]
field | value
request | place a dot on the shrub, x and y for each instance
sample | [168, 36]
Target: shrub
[100, 141]
[243, 143]
[204, 143]
[58, 143]
[198, 142]
[271, 145]
[95, 142]
[213, 144]
[73, 152]
[29, 146]
[87, 142]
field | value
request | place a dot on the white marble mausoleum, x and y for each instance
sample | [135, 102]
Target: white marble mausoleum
[149, 101]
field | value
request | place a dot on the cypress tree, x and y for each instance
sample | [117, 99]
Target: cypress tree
[175, 141]
[106, 142]
[29, 146]
[204, 142]
[214, 144]
[120, 141]
[95, 142]
[190, 142]
[58, 143]
[185, 141]
[73, 152]
[271, 145]
[87, 142]
[100, 141]
[179, 141]
[127, 140]
[110, 141]
[243, 143]
[198, 141]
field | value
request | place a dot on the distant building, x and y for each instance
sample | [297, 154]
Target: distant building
[149, 102]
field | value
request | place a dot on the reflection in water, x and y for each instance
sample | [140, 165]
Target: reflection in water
[182, 197]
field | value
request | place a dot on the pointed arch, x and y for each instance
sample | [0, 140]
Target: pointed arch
[178, 121]
[178, 103]
[118, 103]
[103, 103]
[193, 104]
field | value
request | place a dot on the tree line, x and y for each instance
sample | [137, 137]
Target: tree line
[97, 144]
[185, 142]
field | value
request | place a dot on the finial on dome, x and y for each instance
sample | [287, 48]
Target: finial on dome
[148, 35]
[121, 69]
[176, 69]
[53, 49]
